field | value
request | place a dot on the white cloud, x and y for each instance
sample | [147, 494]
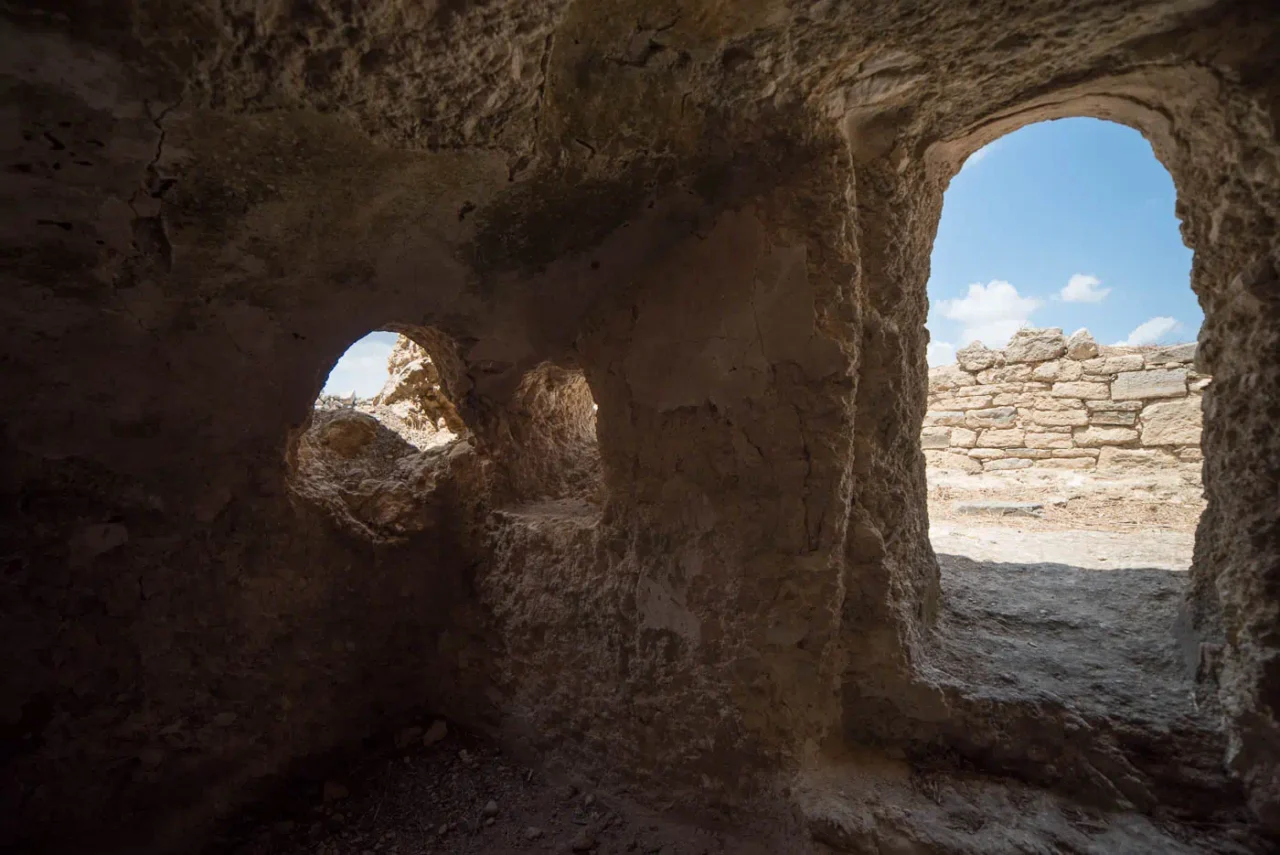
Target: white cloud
[941, 353]
[362, 369]
[1150, 332]
[991, 313]
[1083, 288]
[979, 155]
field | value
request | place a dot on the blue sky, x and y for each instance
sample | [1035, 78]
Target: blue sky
[363, 368]
[1061, 224]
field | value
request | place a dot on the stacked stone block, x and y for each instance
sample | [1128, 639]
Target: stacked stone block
[1054, 402]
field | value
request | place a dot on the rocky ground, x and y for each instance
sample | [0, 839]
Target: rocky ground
[444, 791]
[1073, 601]
[404, 417]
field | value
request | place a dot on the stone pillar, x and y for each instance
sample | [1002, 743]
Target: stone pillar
[726, 394]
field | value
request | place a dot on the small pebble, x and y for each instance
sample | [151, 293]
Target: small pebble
[436, 732]
[491, 808]
[532, 833]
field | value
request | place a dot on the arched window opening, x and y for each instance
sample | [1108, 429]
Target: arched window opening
[381, 435]
[1062, 426]
[393, 379]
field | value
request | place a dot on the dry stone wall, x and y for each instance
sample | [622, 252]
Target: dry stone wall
[1054, 402]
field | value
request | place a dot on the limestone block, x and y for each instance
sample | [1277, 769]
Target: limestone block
[1175, 422]
[1081, 345]
[1072, 418]
[1011, 438]
[1191, 455]
[993, 417]
[949, 377]
[1048, 440]
[948, 418]
[1035, 345]
[1091, 453]
[978, 402]
[1082, 389]
[963, 438]
[1044, 402]
[977, 356]
[987, 453]
[1014, 399]
[1181, 353]
[1114, 406]
[935, 437]
[947, 460]
[1005, 374]
[1113, 364]
[1198, 384]
[989, 389]
[1007, 463]
[1113, 417]
[1124, 460]
[1058, 369]
[1092, 437]
[1068, 463]
[1030, 453]
[1158, 383]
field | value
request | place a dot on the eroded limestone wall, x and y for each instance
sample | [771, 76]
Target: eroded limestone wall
[1048, 401]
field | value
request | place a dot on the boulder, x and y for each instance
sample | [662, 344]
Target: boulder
[1081, 345]
[1176, 422]
[1035, 345]
[347, 433]
[1141, 385]
[977, 356]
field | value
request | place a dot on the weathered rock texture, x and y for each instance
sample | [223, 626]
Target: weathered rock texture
[717, 216]
[1110, 410]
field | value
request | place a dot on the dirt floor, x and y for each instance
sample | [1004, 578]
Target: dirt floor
[462, 796]
[1073, 604]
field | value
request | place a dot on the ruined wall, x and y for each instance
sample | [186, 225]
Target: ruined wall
[1050, 402]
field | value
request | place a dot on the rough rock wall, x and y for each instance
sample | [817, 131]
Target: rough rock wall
[1051, 402]
[720, 213]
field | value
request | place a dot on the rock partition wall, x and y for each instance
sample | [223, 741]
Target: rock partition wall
[1052, 402]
